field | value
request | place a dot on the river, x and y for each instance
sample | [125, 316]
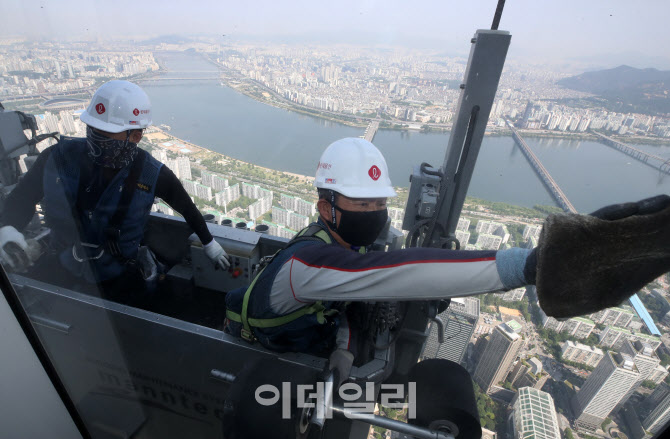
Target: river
[223, 120]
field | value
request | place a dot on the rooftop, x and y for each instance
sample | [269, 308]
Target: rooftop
[637, 334]
[465, 305]
[508, 331]
[515, 326]
[623, 361]
[535, 415]
[584, 320]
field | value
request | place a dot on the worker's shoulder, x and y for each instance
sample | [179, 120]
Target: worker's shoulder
[288, 252]
[67, 141]
[149, 160]
[70, 147]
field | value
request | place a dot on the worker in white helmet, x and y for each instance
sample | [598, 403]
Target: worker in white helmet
[96, 194]
[292, 304]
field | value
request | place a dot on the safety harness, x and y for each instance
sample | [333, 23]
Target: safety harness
[314, 232]
[113, 230]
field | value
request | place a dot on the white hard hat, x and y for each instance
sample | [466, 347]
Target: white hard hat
[354, 168]
[118, 106]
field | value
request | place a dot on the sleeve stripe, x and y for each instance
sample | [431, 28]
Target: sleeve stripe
[400, 264]
[290, 280]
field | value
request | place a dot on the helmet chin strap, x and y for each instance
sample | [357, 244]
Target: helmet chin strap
[332, 210]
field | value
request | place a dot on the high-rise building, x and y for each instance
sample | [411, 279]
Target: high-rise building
[534, 415]
[184, 167]
[514, 295]
[658, 374]
[161, 207]
[460, 321]
[659, 394]
[231, 193]
[533, 230]
[606, 386]
[197, 190]
[645, 359]
[613, 337]
[660, 415]
[250, 190]
[279, 215]
[488, 227]
[189, 186]
[463, 224]
[172, 166]
[396, 214]
[463, 237]
[255, 191]
[498, 356]
[215, 181]
[49, 123]
[259, 207]
[488, 242]
[202, 191]
[583, 124]
[297, 221]
[614, 316]
[67, 122]
[287, 201]
[577, 326]
[564, 123]
[160, 154]
[581, 353]
[518, 371]
[528, 112]
[277, 230]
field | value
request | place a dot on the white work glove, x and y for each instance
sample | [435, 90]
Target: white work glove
[341, 360]
[9, 234]
[217, 254]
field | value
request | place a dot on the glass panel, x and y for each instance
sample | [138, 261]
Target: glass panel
[130, 305]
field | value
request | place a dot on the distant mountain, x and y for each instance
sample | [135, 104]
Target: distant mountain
[626, 88]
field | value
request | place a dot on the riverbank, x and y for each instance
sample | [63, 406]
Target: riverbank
[269, 97]
[302, 185]
[266, 95]
[202, 153]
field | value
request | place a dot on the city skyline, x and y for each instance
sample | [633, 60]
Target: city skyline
[410, 90]
[595, 34]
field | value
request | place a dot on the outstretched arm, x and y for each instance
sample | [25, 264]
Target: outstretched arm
[170, 190]
[330, 272]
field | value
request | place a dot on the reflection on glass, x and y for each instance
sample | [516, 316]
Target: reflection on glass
[130, 304]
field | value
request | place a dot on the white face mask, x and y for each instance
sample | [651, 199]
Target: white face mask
[110, 153]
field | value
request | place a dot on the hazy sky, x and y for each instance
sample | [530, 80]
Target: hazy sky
[603, 32]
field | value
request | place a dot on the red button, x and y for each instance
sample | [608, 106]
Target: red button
[237, 272]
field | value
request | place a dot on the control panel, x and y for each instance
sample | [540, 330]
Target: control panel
[242, 247]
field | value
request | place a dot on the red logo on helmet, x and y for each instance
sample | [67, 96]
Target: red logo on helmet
[375, 173]
[136, 112]
[100, 108]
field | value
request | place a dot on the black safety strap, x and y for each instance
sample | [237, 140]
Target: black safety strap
[113, 229]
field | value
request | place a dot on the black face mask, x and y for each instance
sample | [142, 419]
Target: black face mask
[110, 153]
[360, 228]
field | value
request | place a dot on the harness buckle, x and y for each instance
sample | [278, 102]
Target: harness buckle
[247, 335]
[78, 258]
